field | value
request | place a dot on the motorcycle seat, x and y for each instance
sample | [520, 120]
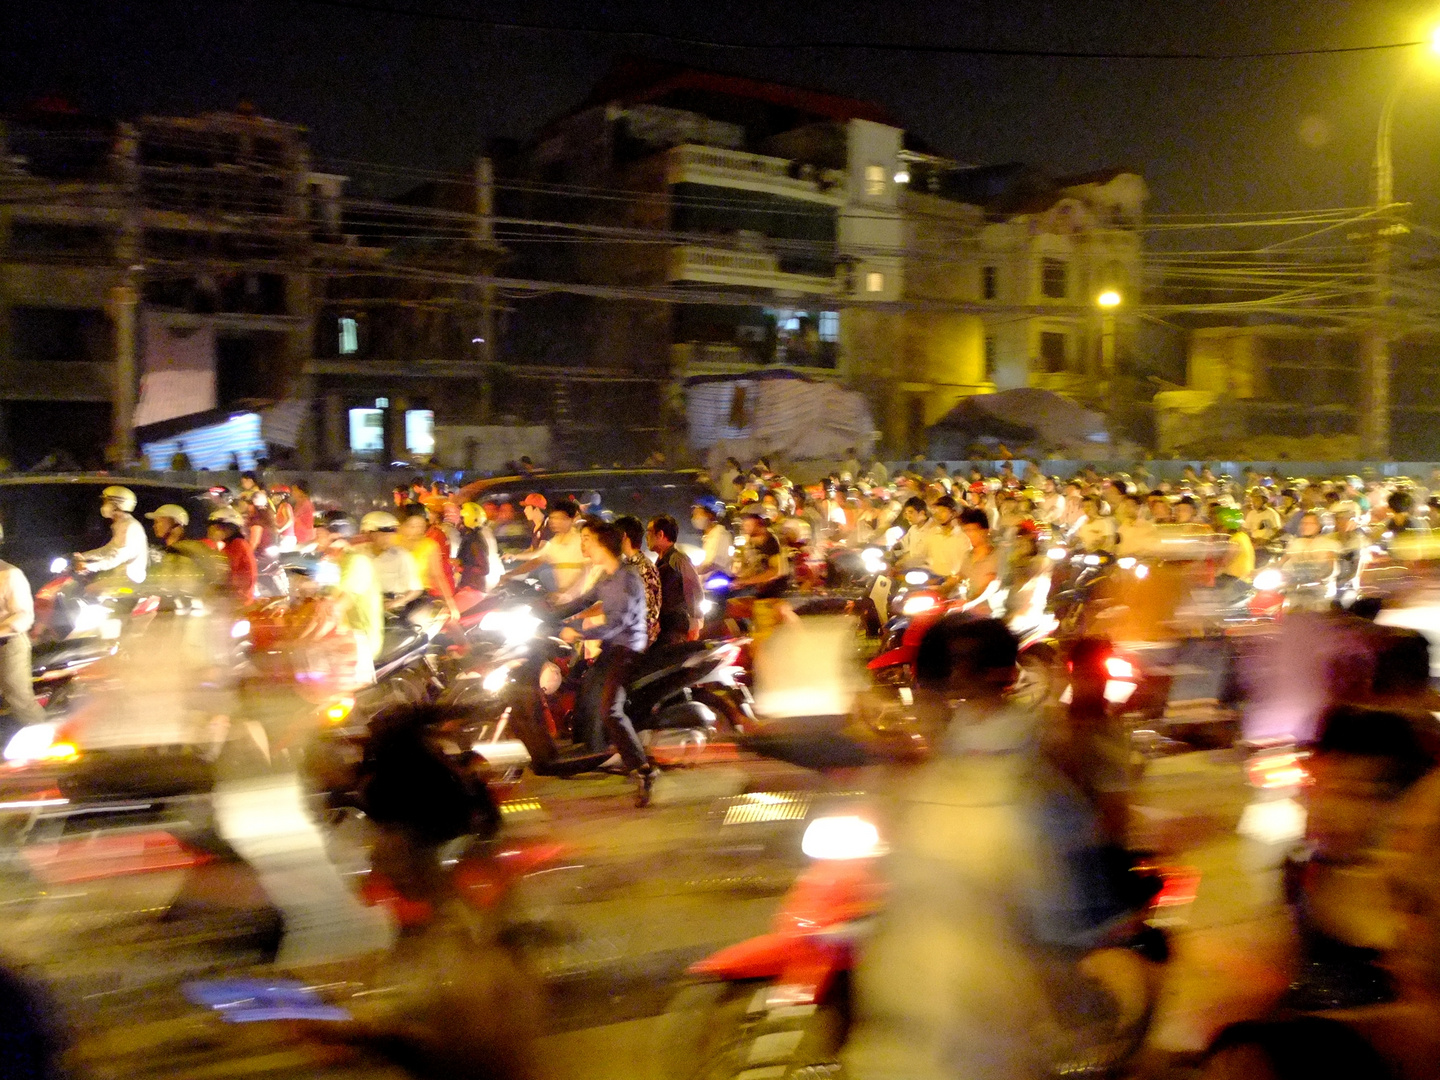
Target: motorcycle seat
[400, 638]
[49, 655]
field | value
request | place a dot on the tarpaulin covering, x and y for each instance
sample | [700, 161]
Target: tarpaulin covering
[178, 370]
[776, 412]
[212, 446]
[1019, 418]
[280, 423]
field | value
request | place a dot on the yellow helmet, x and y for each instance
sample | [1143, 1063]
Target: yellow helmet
[177, 514]
[122, 497]
[472, 514]
[379, 521]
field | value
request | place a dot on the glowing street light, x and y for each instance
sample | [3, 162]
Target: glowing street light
[1110, 298]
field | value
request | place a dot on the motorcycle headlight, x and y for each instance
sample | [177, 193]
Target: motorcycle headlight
[843, 837]
[240, 629]
[914, 605]
[1055, 554]
[57, 566]
[916, 577]
[1269, 580]
[37, 743]
[512, 624]
[1126, 563]
[707, 606]
[1092, 560]
[873, 559]
[495, 679]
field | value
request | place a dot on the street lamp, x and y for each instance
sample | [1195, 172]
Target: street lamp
[1107, 302]
[1375, 342]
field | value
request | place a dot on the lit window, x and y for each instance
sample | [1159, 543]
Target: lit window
[420, 431]
[875, 181]
[367, 431]
[1054, 279]
[349, 337]
[874, 281]
[990, 282]
[829, 326]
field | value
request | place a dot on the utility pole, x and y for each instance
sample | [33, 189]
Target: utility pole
[1375, 341]
[484, 235]
[124, 299]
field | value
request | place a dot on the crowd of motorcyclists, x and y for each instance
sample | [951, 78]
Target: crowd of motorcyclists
[1010, 844]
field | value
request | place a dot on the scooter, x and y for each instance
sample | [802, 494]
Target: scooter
[782, 1001]
[522, 697]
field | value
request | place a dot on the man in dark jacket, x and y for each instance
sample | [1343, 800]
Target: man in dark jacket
[680, 590]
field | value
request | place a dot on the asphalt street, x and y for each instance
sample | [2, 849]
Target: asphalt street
[633, 897]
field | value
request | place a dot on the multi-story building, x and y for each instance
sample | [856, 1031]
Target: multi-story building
[802, 231]
[154, 278]
[771, 209]
[1004, 269]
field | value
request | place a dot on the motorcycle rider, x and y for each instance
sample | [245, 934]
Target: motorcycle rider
[946, 545]
[994, 899]
[715, 539]
[564, 553]
[187, 567]
[394, 567]
[622, 637]
[226, 531]
[912, 548]
[430, 560]
[479, 555]
[760, 565]
[17, 616]
[1309, 561]
[680, 588]
[127, 555]
[352, 602]
[981, 572]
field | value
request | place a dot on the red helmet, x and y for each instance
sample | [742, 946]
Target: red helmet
[534, 499]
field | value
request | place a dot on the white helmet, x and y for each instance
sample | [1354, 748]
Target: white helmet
[228, 514]
[379, 521]
[177, 514]
[122, 497]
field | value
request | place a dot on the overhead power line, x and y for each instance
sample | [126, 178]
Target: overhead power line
[838, 44]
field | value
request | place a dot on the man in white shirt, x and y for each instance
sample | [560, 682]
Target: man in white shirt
[395, 568]
[562, 553]
[715, 539]
[1051, 505]
[1094, 531]
[127, 552]
[912, 548]
[946, 543]
[17, 615]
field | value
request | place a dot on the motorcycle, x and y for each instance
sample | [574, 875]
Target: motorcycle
[783, 1001]
[522, 696]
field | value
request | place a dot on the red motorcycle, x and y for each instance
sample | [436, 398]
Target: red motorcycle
[782, 1001]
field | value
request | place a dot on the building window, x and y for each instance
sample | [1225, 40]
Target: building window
[1054, 275]
[367, 431]
[989, 282]
[874, 281]
[43, 335]
[989, 357]
[349, 337]
[1052, 351]
[829, 326]
[875, 181]
[420, 432]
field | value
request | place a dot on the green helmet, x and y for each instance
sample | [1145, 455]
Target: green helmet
[1228, 518]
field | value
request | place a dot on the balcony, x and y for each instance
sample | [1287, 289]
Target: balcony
[714, 358]
[748, 269]
[715, 167]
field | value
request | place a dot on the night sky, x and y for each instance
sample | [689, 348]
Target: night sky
[1209, 136]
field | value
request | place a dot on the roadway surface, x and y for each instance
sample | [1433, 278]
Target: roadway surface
[636, 896]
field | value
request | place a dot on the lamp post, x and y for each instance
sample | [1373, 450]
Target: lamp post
[1107, 302]
[1375, 342]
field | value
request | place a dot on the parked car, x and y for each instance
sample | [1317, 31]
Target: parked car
[642, 492]
[50, 517]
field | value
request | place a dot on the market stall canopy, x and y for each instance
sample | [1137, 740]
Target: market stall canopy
[1022, 418]
[776, 412]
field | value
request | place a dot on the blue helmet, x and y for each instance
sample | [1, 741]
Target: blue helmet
[711, 503]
